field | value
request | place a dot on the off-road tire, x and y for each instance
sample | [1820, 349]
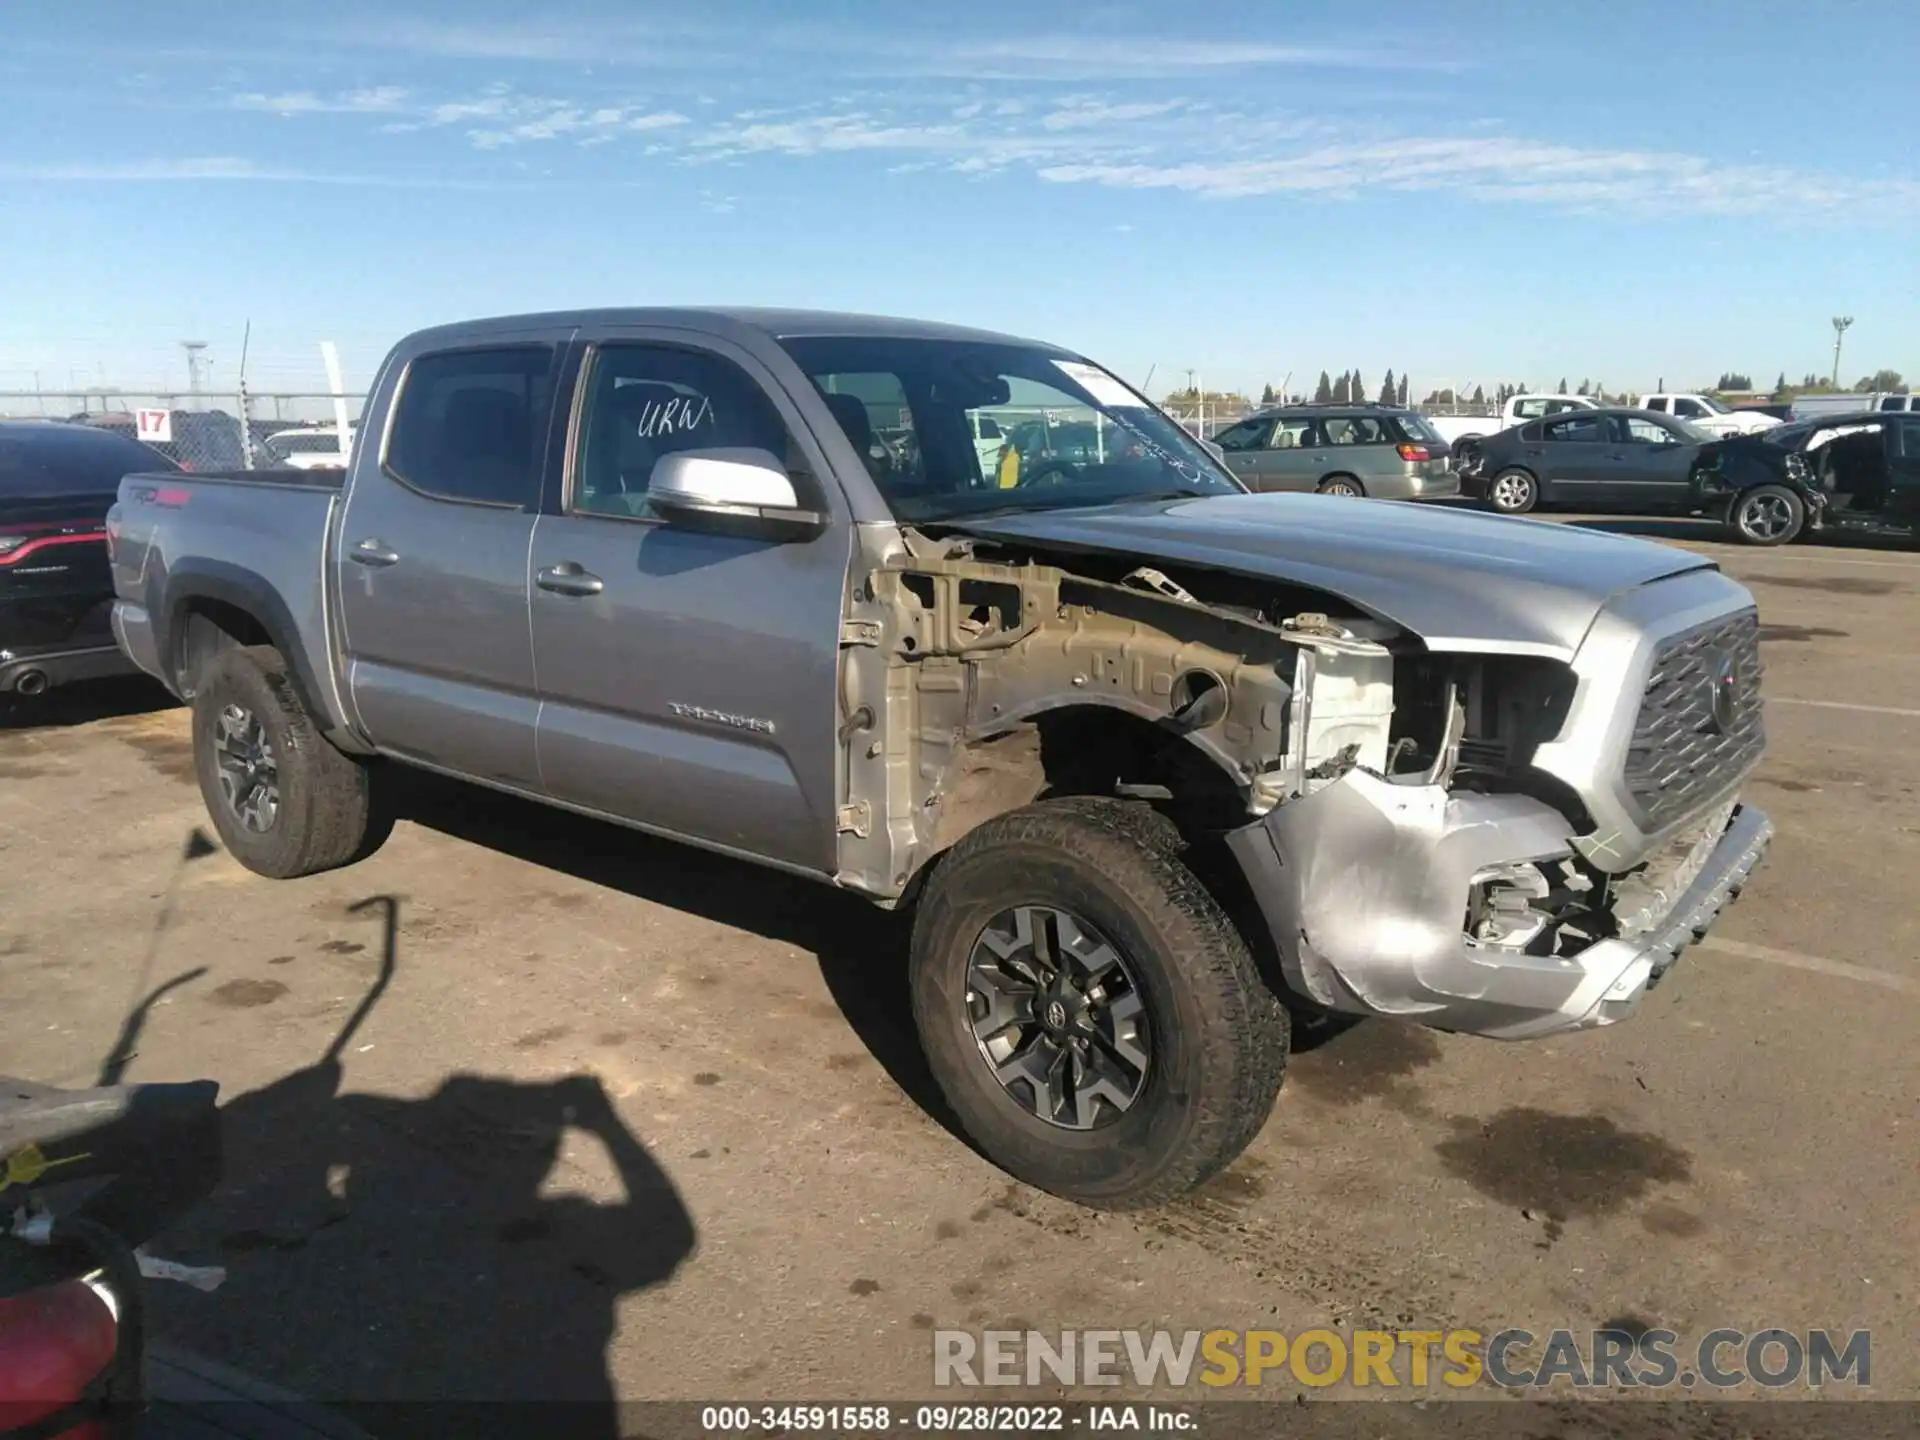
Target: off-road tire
[328, 813]
[1219, 1034]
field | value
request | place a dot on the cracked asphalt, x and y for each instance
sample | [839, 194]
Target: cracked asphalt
[623, 1118]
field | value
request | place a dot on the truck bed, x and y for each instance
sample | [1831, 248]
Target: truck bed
[251, 540]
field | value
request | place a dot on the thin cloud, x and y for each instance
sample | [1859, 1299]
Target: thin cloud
[220, 168]
[677, 42]
[380, 100]
[1500, 169]
[1139, 56]
[1111, 136]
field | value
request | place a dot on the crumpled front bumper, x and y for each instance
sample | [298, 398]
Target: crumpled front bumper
[1364, 885]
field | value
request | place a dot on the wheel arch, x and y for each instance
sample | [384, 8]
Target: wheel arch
[1099, 745]
[1542, 490]
[215, 605]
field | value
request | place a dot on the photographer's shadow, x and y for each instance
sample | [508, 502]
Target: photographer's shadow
[444, 1248]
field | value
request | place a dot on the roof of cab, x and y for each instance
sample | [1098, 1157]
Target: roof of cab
[779, 324]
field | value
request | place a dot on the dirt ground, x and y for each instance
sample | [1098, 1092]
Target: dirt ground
[529, 1105]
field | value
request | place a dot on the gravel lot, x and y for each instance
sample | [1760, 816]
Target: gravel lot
[770, 1205]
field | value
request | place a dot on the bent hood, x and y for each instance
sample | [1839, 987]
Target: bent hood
[1458, 579]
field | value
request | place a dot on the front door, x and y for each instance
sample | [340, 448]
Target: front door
[1903, 472]
[1245, 447]
[432, 563]
[1648, 465]
[688, 680]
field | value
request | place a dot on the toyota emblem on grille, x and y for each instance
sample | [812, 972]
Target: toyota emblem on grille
[1723, 676]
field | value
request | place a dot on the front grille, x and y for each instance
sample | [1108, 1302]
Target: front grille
[1682, 754]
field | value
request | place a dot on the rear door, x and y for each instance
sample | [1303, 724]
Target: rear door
[432, 561]
[1648, 464]
[1365, 447]
[688, 680]
[1573, 457]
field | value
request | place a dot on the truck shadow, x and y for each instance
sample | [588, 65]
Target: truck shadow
[861, 950]
[450, 1248]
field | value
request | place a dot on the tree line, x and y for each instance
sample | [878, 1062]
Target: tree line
[1351, 388]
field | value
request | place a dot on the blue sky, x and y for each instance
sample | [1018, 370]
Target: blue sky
[1621, 191]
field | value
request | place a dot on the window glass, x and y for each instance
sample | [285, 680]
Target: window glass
[1293, 435]
[1247, 435]
[1659, 403]
[1894, 402]
[1530, 409]
[1575, 429]
[1415, 427]
[1075, 435]
[471, 424]
[1354, 430]
[1910, 437]
[47, 461]
[645, 402]
[1649, 432]
[1688, 409]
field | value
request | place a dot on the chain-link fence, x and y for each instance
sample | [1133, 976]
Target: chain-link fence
[208, 431]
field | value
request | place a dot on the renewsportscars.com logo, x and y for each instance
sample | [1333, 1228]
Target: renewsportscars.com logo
[1652, 1358]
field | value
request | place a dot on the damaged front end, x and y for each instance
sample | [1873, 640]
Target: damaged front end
[1407, 820]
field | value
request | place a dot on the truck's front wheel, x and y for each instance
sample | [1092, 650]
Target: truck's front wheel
[285, 801]
[1088, 1010]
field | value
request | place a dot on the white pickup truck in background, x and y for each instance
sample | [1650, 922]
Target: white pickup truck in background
[315, 447]
[1706, 413]
[1456, 429]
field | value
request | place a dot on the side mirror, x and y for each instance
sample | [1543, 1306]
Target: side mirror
[731, 491]
[1214, 450]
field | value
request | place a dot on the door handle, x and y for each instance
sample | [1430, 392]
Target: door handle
[567, 578]
[373, 552]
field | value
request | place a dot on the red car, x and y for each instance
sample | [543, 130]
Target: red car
[57, 482]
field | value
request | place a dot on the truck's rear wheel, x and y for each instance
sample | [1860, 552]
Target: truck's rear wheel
[1090, 1013]
[284, 800]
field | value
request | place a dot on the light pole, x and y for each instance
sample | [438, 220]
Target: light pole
[196, 357]
[1840, 324]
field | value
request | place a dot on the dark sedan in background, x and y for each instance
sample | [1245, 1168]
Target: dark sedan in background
[57, 482]
[1615, 459]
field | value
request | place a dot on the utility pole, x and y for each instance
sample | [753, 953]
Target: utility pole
[196, 356]
[1840, 324]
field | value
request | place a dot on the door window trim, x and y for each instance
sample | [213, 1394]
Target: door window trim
[531, 505]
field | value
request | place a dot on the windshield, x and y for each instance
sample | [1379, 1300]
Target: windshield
[1714, 405]
[308, 444]
[1787, 437]
[1073, 435]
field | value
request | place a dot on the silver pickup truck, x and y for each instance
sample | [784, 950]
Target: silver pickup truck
[1155, 761]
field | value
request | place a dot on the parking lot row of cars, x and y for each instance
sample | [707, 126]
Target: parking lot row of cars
[1857, 470]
